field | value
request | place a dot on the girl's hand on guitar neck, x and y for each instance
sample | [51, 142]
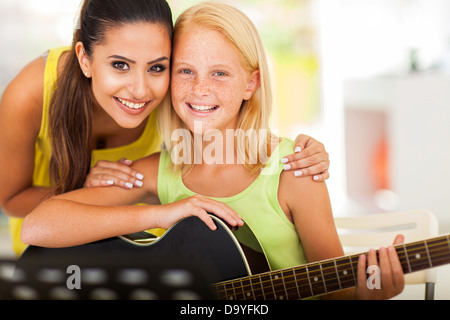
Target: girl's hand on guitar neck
[390, 276]
[199, 206]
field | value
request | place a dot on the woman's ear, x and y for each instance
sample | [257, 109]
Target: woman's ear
[253, 84]
[83, 59]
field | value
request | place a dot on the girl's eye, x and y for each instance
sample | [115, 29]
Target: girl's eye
[120, 65]
[158, 68]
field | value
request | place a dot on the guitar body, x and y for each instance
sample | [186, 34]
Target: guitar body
[190, 261]
[190, 244]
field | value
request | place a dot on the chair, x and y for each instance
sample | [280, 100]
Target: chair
[363, 232]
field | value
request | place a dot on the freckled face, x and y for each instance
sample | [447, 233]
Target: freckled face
[130, 71]
[209, 83]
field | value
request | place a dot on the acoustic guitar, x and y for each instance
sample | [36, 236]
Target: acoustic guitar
[235, 271]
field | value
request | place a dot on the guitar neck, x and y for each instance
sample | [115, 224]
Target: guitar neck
[328, 276]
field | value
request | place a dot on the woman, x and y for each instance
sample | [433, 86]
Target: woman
[220, 85]
[92, 105]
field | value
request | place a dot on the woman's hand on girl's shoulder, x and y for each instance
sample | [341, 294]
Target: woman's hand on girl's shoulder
[309, 159]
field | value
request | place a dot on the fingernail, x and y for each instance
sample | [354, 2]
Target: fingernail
[128, 161]
[297, 149]
[316, 178]
[139, 183]
[287, 167]
[129, 185]
[284, 160]
[298, 173]
[110, 182]
[140, 176]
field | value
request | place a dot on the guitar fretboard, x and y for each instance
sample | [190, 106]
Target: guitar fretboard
[328, 276]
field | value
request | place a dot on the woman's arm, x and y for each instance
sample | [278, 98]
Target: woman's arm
[20, 121]
[91, 214]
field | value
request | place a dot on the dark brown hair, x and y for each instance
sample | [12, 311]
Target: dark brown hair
[70, 109]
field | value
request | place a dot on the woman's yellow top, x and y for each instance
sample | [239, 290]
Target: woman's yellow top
[148, 143]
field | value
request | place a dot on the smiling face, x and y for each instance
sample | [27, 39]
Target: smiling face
[130, 71]
[209, 83]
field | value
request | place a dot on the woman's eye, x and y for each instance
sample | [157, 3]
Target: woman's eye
[120, 65]
[158, 68]
[186, 71]
[220, 73]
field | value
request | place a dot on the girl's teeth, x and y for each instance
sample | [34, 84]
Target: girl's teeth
[202, 108]
[131, 104]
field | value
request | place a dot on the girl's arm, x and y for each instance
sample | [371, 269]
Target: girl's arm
[20, 121]
[307, 205]
[92, 214]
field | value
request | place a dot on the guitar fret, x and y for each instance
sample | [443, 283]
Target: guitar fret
[407, 259]
[296, 284]
[247, 289]
[303, 286]
[262, 288]
[278, 286]
[345, 272]
[309, 280]
[267, 287]
[323, 280]
[330, 276]
[257, 289]
[337, 274]
[438, 251]
[416, 256]
[240, 294]
[290, 284]
[428, 254]
[232, 296]
[316, 279]
[283, 277]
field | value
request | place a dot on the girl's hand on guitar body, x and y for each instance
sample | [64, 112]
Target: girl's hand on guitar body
[199, 206]
[390, 276]
[109, 173]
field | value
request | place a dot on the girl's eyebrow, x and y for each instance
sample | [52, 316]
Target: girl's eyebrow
[133, 62]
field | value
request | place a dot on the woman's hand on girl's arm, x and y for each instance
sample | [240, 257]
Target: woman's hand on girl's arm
[109, 173]
[309, 159]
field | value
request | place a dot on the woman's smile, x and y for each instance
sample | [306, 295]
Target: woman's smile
[132, 106]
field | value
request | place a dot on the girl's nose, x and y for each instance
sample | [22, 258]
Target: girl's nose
[201, 86]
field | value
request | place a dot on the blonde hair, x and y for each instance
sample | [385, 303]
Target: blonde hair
[241, 32]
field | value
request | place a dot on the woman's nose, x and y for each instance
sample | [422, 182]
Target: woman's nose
[139, 86]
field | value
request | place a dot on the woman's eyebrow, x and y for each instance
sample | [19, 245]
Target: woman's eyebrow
[133, 62]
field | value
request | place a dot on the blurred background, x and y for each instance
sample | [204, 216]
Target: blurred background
[370, 79]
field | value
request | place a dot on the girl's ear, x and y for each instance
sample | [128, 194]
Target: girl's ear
[253, 83]
[83, 59]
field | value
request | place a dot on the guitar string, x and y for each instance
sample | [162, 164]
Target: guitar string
[303, 291]
[345, 258]
[436, 259]
[291, 291]
[436, 244]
